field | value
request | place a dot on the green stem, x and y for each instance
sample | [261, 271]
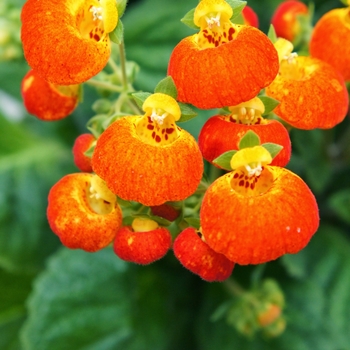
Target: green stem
[104, 85]
[123, 65]
[233, 287]
[114, 66]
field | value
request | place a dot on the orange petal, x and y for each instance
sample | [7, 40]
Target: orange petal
[256, 228]
[330, 40]
[285, 20]
[311, 92]
[47, 101]
[225, 75]
[81, 144]
[73, 220]
[196, 256]
[142, 247]
[138, 171]
[55, 43]
[219, 135]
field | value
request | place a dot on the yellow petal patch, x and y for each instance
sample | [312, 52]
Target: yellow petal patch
[110, 14]
[211, 8]
[144, 225]
[162, 102]
[251, 156]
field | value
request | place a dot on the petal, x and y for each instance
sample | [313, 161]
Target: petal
[226, 75]
[253, 229]
[219, 136]
[139, 171]
[47, 101]
[73, 220]
[312, 96]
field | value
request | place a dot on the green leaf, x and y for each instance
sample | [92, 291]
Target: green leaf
[273, 148]
[340, 203]
[272, 34]
[188, 20]
[187, 113]
[117, 35]
[224, 160]
[269, 103]
[250, 139]
[14, 291]
[237, 7]
[193, 222]
[121, 5]
[317, 297]
[167, 86]
[29, 166]
[140, 97]
[96, 301]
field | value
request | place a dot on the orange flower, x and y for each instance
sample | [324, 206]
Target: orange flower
[48, 101]
[66, 41]
[81, 144]
[330, 40]
[143, 243]
[311, 92]
[196, 256]
[223, 133]
[250, 17]
[258, 212]
[148, 158]
[83, 213]
[224, 64]
[285, 19]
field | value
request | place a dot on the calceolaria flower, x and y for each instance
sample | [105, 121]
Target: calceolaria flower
[67, 42]
[143, 242]
[149, 159]
[286, 19]
[312, 93]
[330, 40]
[195, 255]
[48, 101]
[258, 212]
[223, 133]
[225, 63]
[83, 212]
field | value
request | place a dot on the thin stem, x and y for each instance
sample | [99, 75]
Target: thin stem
[233, 287]
[123, 65]
[114, 66]
[104, 85]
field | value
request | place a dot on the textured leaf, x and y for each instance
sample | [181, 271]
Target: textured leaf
[224, 160]
[269, 103]
[140, 97]
[117, 35]
[249, 139]
[187, 113]
[13, 293]
[96, 301]
[318, 302]
[167, 86]
[273, 148]
[188, 20]
[28, 168]
[340, 203]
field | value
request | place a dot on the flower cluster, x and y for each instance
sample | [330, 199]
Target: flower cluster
[142, 187]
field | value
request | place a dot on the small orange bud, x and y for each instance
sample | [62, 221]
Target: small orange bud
[250, 17]
[81, 144]
[83, 212]
[269, 315]
[195, 255]
[143, 242]
[48, 101]
[285, 18]
[165, 211]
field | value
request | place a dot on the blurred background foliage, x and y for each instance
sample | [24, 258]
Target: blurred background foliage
[53, 298]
